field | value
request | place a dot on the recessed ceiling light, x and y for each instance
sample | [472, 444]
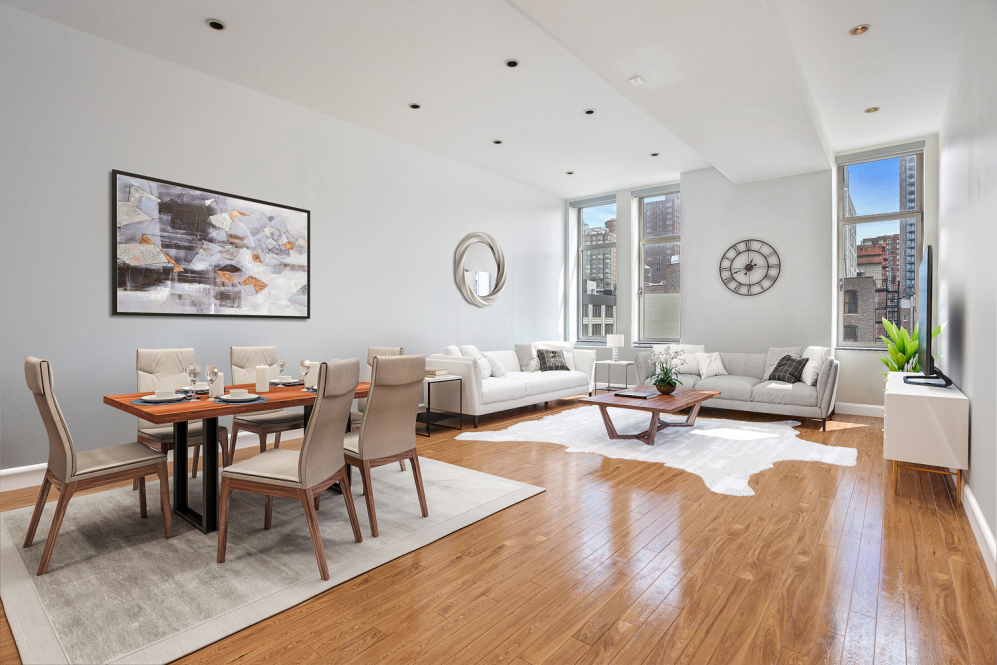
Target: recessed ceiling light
[512, 63]
[497, 141]
[570, 172]
[859, 29]
[655, 154]
[637, 81]
[589, 111]
[215, 24]
[413, 106]
[872, 109]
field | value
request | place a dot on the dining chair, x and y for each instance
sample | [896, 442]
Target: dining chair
[245, 360]
[166, 369]
[372, 352]
[70, 471]
[303, 474]
[387, 431]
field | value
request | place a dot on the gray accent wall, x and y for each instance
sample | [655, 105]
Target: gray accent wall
[386, 218]
[967, 238]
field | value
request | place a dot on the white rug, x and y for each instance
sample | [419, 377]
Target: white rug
[724, 453]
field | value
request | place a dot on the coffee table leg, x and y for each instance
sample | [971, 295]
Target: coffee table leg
[690, 419]
[652, 429]
[610, 428]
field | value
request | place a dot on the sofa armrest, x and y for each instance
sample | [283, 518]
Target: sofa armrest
[585, 363]
[827, 386]
[466, 369]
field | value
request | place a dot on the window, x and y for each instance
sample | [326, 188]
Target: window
[879, 225]
[597, 267]
[660, 291]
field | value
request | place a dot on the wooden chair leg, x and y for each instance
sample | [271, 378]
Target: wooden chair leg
[223, 507]
[263, 440]
[276, 439]
[164, 499]
[231, 446]
[65, 494]
[417, 474]
[268, 512]
[401, 463]
[368, 496]
[306, 503]
[223, 444]
[317, 497]
[134, 484]
[36, 516]
[351, 510]
[197, 456]
[141, 497]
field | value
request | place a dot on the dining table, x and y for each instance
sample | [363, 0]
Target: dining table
[208, 411]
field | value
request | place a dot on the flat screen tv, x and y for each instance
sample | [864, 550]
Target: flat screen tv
[932, 375]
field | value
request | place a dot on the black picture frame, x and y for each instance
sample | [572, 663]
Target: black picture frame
[116, 173]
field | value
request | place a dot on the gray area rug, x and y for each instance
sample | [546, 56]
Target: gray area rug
[118, 592]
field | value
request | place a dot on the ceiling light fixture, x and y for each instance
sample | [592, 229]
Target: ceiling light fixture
[637, 81]
[589, 111]
[215, 24]
[872, 109]
[655, 154]
[413, 106]
[512, 63]
[859, 29]
[570, 172]
[497, 141]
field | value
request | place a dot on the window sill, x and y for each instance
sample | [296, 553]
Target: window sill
[860, 348]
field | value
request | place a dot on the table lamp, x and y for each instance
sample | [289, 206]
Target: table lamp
[615, 342]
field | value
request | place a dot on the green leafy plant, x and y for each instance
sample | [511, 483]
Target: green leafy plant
[666, 367]
[901, 348]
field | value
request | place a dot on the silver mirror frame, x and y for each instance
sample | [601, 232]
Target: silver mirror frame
[468, 292]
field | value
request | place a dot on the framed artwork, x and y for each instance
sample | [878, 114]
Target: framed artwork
[182, 250]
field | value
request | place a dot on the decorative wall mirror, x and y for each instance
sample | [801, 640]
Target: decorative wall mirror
[479, 269]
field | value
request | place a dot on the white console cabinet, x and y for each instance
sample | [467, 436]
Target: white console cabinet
[925, 425]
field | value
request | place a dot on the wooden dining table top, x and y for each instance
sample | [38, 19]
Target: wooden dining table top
[279, 397]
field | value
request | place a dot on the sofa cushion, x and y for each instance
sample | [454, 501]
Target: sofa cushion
[501, 390]
[689, 381]
[730, 386]
[452, 351]
[778, 392]
[539, 383]
[744, 364]
[508, 359]
[469, 351]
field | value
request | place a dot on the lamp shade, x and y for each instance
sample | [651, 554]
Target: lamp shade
[614, 341]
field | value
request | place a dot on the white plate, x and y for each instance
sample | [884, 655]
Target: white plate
[153, 398]
[247, 398]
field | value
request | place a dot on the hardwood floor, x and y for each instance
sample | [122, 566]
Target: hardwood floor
[633, 562]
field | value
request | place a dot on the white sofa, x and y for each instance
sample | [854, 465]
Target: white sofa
[483, 395]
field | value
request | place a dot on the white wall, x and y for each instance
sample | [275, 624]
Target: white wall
[386, 218]
[967, 238]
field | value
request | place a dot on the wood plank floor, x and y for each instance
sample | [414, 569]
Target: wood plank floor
[632, 562]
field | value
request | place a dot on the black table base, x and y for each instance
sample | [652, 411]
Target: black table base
[206, 520]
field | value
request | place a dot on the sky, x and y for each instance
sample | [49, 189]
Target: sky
[875, 186]
[597, 215]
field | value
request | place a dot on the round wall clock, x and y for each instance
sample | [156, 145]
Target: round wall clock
[749, 267]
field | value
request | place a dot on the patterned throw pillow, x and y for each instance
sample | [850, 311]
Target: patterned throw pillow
[775, 354]
[551, 361]
[788, 369]
[710, 364]
[527, 354]
[497, 370]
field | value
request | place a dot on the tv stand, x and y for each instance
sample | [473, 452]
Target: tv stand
[929, 380]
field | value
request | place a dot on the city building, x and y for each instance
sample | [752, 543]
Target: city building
[892, 248]
[908, 227]
[873, 262]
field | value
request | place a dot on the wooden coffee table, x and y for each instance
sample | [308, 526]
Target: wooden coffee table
[678, 400]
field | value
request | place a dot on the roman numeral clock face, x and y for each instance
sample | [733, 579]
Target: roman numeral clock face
[749, 267]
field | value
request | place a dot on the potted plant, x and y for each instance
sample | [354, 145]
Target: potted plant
[901, 348]
[666, 363]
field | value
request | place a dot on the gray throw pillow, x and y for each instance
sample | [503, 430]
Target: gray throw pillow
[775, 355]
[527, 355]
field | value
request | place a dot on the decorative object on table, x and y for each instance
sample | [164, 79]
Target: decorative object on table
[775, 354]
[482, 293]
[551, 361]
[69, 471]
[262, 379]
[183, 250]
[789, 369]
[710, 364]
[435, 371]
[615, 342]
[901, 348]
[666, 363]
[218, 386]
[750, 267]
[724, 453]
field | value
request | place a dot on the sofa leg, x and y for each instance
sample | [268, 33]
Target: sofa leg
[475, 422]
[823, 424]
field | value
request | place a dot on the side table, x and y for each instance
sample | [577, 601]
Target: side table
[609, 364]
[429, 417]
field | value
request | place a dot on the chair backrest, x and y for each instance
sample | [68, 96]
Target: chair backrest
[161, 369]
[245, 359]
[373, 352]
[388, 425]
[322, 447]
[61, 451]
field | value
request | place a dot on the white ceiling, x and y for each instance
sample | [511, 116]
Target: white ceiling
[757, 88]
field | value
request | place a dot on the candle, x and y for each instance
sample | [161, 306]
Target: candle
[218, 387]
[262, 379]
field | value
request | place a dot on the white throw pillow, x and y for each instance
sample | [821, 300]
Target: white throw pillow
[569, 360]
[497, 370]
[484, 366]
[470, 351]
[775, 355]
[527, 355]
[709, 364]
[815, 355]
[452, 351]
[689, 365]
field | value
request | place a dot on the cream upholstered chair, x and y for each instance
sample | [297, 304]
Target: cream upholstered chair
[302, 474]
[70, 471]
[372, 352]
[245, 360]
[165, 369]
[387, 431]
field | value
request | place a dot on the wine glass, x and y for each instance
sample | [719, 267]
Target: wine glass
[211, 371]
[304, 366]
[193, 372]
[280, 368]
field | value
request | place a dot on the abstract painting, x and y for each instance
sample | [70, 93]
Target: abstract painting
[183, 250]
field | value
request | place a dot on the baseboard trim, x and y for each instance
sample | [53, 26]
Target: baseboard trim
[984, 537]
[852, 409]
[19, 477]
